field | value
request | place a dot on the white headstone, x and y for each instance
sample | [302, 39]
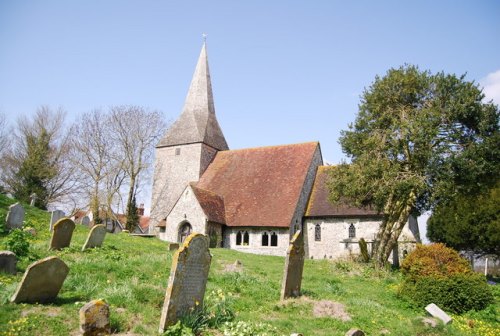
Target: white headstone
[15, 217]
[438, 313]
[54, 217]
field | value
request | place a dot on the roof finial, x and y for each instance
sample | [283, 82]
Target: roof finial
[204, 37]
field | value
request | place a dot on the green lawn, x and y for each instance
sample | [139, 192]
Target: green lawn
[131, 274]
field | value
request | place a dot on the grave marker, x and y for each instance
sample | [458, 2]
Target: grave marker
[187, 281]
[94, 318]
[294, 265]
[86, 220]
[61, 236]
[95, 237]
[435, 311]
[42, 281]
[55, 216]
[8, 262]
[15, 217]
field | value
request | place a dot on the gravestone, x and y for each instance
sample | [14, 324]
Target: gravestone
[355, 332]
[173, 246]
[435, 311]
[33, 198]
[61, 236]
[15, 217]
[94, 318]
[95, 237]
[42, 281]
[86, 220]
[8, 262]
[55, 216]
[294, 265]
[187, 281]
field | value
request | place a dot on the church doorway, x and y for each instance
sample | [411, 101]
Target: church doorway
[185, 230]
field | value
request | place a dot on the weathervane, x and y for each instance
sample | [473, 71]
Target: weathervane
[204, 37]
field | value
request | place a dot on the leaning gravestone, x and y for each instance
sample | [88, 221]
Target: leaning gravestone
[94, 318]
[63, 231]
[42, 281]
[188, 280]
[8, 262]
[435, 311]
[15, 217]
[95, 237]
[294, 265]
[55, 216]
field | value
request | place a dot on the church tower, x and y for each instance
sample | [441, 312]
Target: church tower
[188, 146]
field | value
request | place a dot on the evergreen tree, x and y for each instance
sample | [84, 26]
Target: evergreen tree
[132, 216]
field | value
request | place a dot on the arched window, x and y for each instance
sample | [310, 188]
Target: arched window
[238, 238]
[184, 231]
[246, 238]
[274, 239]
[352, 231]
[317, 232]
[265, 239]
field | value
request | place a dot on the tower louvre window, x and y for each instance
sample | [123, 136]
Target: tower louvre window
[317, 232]
[274, 239]
[352, 231]
[265, 239]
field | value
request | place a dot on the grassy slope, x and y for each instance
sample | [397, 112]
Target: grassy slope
[131, 274]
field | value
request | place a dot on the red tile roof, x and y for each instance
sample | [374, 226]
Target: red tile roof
[144, 223]
[320, 206]
[259, 186]
[211, 203]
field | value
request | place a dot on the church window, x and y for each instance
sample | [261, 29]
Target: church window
[246, 238]
[184, 231]
[352, 231]
[274, 239]
[238, 238]
[177, 151]
[265, 239]
[317, 232]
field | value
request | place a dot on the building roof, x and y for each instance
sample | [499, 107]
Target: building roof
[260, 186]
[211, 203]
[197, 122]
[320, 206]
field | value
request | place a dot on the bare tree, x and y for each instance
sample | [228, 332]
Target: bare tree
[136, 131]
[3, 133]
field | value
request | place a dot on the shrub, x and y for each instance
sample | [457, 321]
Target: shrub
[457, 293]
[437, 274]
[18, 242]
[435, 260]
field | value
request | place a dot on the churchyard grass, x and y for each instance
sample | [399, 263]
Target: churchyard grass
[131, 274]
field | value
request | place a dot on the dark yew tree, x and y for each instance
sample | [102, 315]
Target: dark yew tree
[418, 139]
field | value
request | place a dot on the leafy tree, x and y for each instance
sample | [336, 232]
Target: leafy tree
[418, 139]
[468, 223]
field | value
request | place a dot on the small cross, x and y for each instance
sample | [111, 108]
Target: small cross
[204, 37]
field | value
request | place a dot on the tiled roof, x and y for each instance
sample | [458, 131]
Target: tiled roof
[211, 203]
[260, 186]
[320, 206]
[144, 223]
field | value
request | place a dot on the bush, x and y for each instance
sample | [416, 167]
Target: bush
[437, 274]
[457, 293]
[18, 242]
[435, 260]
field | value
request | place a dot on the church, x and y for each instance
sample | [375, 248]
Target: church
[251, 200]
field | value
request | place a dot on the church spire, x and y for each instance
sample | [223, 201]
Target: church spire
[197, 122]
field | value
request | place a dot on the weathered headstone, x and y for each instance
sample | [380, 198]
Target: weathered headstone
[95, 237]
[294, 265]
[188, 279]
[33, 198]
[86, 220]
[173, 246]
[61, 236]
[355, 332]
[8, 262]
[435, 311]
[42, 281]
[94, 318]
[55, 216]
[15, 217]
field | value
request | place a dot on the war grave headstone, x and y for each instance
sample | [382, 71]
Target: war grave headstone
[42, 281]
[94, 318]
[61, 236]
[55, 216]
[435, 311]
[15, 217]
[187, 281]
[294, 265]
[86, 220]
[8, 262]
[95, 237]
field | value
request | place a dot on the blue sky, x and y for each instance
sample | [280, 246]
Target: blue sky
[282, 71]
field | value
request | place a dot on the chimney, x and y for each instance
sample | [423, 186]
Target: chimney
[140, 209]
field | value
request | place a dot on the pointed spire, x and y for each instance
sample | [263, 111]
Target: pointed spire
[197, 122]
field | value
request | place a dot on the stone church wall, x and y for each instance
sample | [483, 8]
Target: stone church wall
[175, 167]
[255, 240]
